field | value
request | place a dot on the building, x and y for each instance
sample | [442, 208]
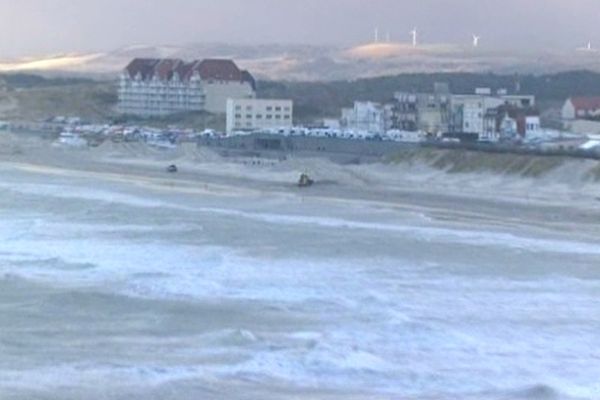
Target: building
[257, 114]
[441, 112]
[510, 123]
[426, 112]
[365, 117]
[158, 87]
[470, 110]
[581, 108]
[581, 115]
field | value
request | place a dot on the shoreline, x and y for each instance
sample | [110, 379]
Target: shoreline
[447, 198]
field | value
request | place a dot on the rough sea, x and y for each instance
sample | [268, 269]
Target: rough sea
[111, 290]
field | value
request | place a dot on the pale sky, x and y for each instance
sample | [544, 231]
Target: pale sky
[40, 27]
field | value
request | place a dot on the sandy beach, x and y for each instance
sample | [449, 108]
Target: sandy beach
[560, 198]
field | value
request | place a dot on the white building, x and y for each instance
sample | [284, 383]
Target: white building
[510, 123]
[581, 114]
[469, 111]
[581, 108]
[158, 87]
[254, 114]
[427, 112]
[365, 117]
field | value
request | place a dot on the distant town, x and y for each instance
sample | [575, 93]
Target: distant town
[487, 119]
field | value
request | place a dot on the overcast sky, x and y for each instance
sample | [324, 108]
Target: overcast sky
[35, 27]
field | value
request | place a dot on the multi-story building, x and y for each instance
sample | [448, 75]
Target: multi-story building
[365, 117]
[509, 123]
[469, 110]
[426, 112]
[256, 114]
[158, 87]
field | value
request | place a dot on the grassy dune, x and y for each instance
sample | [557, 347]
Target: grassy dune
[95, 100]
[528, 166]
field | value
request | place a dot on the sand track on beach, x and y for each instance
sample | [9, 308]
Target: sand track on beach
[437, 183]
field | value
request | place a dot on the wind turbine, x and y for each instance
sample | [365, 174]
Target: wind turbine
[476, 40]
[588, 48]
[414, 33]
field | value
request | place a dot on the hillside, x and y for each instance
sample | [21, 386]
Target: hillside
[300, 62]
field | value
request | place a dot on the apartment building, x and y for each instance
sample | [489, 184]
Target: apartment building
[365, 116]
[256, 114]
[159, 87]
[469, 110]
[425, 112]
[509, 123]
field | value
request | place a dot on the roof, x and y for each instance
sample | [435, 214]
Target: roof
[142, 66]
[586, 103]
[165, 69]
[209, 69]
[219, 70]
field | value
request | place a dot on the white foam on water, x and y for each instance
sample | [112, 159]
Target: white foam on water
[473, 237]
[92, 376]
[411, 330]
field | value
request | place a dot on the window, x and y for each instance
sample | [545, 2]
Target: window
[238, 108]
[269, 116]
[249, 116]
[277, 108]
[258, 116]
[269, 108]
[277, 116]
[238, 115]
[286, 117]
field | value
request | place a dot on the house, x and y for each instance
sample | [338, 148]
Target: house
[257, 114]
[509, 123]
[581, 108]
[158, 87]
[469, 110]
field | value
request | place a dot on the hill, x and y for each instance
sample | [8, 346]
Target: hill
[314, 63]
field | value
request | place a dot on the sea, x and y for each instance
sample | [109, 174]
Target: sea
[117, 290]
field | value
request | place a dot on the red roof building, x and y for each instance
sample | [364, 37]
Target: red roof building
[581, 108]
[166, 69]
[155, 87]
